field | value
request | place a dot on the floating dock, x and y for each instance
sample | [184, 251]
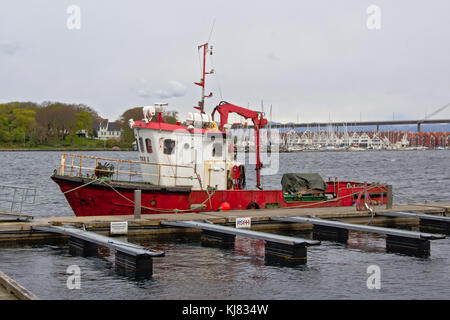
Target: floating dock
[128, 255]
[278, 248]
[87, 233]
[402, 241]
[263, 219]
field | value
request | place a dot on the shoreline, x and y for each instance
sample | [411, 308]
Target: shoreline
[300, 151]
[62, 149]
[367, 150]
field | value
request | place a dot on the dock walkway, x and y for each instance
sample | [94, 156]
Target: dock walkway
[6, 295]
[85, 234]
[17, 231]
[11, 290]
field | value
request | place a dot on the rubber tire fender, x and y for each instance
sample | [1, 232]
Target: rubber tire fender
[253, 205]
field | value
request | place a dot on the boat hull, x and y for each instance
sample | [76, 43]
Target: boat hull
[96, 198]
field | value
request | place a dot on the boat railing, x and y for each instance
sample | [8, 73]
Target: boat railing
[74, 165]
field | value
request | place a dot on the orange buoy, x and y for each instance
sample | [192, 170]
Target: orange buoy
[225, 206]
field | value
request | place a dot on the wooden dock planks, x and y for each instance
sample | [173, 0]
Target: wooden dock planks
[11, 290]
[17, 231]
[6, 295]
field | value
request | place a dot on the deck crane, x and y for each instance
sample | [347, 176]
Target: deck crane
[224, 109]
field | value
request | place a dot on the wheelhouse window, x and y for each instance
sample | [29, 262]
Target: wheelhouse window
[217, 150]
[141, 145]
[148, 144]
[169, 146]
[137, 144]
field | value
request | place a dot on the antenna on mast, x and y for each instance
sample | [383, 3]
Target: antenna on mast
[201, 103]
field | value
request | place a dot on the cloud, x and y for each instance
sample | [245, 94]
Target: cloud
[173, 89]
[9, 48]
[273, 57]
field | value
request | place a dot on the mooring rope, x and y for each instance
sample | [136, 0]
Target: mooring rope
[102, 179]
[167, 210]
[210, 191]
[55, 195]
[214, 191]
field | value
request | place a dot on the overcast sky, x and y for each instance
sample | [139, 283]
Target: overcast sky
[312, 60]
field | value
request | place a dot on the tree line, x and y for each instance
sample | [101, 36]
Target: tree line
[48, 123]
[31, 124]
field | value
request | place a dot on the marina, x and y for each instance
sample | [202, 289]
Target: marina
[150, 182]
[150, 229]
[190, 181]
[154, 225]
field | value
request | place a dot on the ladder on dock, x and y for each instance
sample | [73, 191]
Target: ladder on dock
[278, 248]
[128, 255]
[403, 241]
[15, 197]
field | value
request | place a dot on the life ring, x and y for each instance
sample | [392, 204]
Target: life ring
[238, 176]
[253, 205]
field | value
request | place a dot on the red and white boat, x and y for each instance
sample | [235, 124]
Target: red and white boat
[192, 167]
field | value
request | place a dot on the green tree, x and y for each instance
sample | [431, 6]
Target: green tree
[127, 136]
[58, 121]
[15, 118]
[84, 122]
[22, 118]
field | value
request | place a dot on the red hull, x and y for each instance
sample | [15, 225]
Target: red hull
[100, 199]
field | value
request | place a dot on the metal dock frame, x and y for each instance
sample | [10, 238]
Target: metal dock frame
[427, 222]
[16, 197]
[129, 256]
[278, 248]
[401, 241]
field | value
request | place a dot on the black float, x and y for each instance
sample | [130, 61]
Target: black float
[129, 256]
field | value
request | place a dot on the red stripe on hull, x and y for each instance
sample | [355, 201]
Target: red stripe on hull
[98, 199]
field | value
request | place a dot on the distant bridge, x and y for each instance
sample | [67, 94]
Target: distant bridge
[378, 124]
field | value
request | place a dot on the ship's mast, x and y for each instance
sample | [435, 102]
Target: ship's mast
[201, 104]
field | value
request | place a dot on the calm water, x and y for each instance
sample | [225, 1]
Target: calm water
[190, 271]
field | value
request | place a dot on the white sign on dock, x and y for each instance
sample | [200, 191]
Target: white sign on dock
[118, 228]
[243, 222]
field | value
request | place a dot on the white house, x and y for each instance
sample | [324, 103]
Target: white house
[108, 130]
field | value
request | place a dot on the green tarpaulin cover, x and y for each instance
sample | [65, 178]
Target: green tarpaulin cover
[296, 182]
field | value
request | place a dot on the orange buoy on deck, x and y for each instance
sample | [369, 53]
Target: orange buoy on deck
[225, 206]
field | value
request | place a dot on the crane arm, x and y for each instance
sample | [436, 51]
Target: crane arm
[225, 108]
